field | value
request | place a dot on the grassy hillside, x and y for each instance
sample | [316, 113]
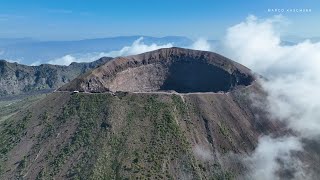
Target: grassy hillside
[12, 105]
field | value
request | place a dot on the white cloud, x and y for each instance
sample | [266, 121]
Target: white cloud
[201, 44]
[136, 47]
[295, 99]
[65, 60]
[293, 85]
[14, 60]
[293, 71]
[203, 153]
[263, 161]
[36, 63]
[252, 40]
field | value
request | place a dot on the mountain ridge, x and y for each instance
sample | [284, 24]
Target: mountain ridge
[18, 78]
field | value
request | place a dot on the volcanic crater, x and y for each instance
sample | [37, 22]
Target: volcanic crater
[171, 69]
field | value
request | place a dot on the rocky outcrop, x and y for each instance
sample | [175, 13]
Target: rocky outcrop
[17, 78]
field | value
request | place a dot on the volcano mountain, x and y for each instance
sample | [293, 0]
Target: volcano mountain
[167, 114]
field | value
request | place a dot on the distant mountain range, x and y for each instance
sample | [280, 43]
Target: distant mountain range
[28, 50]
[18, 79]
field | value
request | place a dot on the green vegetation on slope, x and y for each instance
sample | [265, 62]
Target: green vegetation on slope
[143, 143]
[11, 134]
[9, 107]
[101, 136]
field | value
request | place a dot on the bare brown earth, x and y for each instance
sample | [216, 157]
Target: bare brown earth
[147, 132]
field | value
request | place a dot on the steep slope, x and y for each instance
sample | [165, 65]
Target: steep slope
[142, 133]
[129, 136]
[16, 78]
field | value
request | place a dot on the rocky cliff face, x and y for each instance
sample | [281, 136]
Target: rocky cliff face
[16, 78]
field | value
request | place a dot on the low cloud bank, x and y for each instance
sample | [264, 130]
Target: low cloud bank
[137, 47]
[201, 44]
[272, 155]
[204, 153]
[293, 86]
[68, 59]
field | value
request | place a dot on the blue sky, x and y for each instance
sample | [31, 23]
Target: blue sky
[81, 19]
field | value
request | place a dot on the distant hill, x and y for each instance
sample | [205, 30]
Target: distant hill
[17, 78]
